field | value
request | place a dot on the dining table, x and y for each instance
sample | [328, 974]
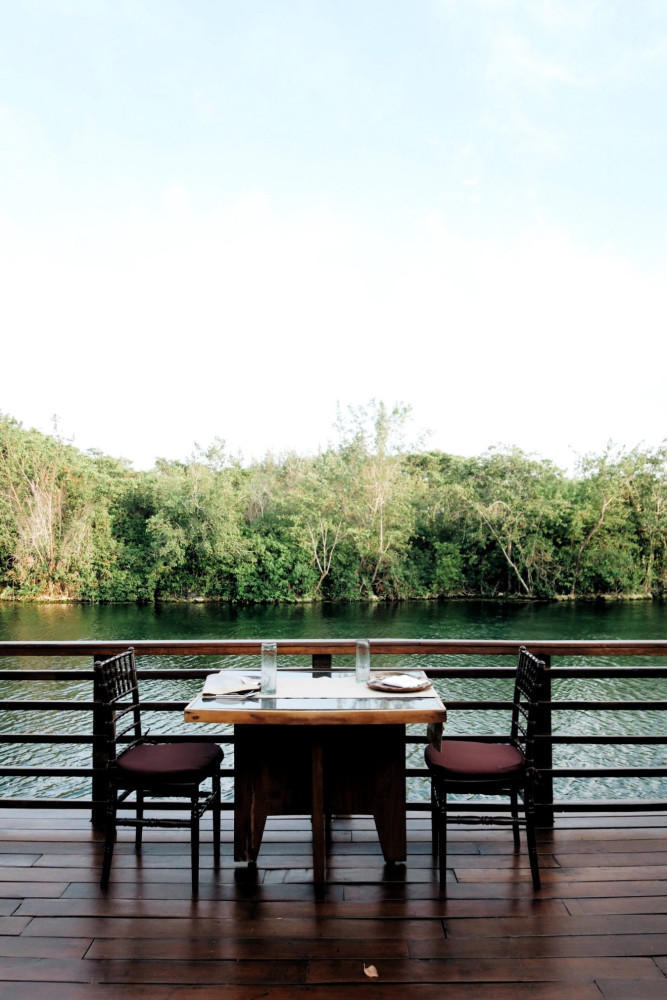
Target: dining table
[321, 745]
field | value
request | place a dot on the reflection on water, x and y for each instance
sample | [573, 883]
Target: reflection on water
[414, 619]
[409, 619]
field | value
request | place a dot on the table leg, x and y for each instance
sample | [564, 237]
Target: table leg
[318, 820]
[389, 792]
[273, 775]
[434, 734]
[365, 774]
[251, 783]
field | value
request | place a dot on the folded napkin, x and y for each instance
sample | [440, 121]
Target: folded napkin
[400, 680]
[227, 682]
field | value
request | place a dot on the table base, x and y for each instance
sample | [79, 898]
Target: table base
[320, 771]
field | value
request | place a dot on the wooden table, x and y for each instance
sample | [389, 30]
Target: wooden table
[320, 746]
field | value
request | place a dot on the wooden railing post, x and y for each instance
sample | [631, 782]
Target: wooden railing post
[100, 785]
[322, 664]
[544, 788]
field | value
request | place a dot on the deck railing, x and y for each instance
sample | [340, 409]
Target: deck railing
[559, 656]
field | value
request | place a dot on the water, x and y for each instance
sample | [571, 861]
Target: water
[413, 619]
[409, 619]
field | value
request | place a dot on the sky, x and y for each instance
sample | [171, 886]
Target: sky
[227, 218]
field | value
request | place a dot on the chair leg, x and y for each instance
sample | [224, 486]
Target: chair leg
[441, 804]
[434, 824]
[139, 815]
[531, 840]
[110, 838]
[216, 821]
[194, 841]
[514, 808]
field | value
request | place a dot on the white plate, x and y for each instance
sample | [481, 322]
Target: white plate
[230, 683]
[401, 682]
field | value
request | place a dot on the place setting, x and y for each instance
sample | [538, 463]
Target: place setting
[230, 685]
[392, 681]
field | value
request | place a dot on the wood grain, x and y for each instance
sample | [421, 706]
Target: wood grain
[596, 931]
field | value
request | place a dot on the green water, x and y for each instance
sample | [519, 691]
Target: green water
[409, 619]
[415, 619]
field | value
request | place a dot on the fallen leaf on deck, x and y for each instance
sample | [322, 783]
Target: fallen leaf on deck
[371, 971]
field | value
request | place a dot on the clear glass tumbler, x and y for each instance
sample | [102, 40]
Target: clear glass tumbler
[269, 674]
[363, 662]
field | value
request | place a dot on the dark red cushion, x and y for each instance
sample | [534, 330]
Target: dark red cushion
[175, 762]
[468, 759]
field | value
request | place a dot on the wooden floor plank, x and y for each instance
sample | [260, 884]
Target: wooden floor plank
[619, 904]
[372, 990]
[169, 927]
[13, 860]
[598, 945]
[248, 949]
[13, 925]
[160, 972]
[88, 904]
[535, 926]
[22, 890]
[641, 989]
[36, 947]
[589, 874]
[536, 970]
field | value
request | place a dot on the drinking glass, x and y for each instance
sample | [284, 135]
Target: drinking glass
[269, 673]
[363, 662]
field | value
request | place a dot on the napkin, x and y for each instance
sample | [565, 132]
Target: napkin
[400, 680]
[227, 682]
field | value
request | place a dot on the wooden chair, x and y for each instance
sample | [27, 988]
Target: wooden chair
[471, 766]
[148, 768]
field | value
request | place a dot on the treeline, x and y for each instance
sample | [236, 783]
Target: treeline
[367, 518]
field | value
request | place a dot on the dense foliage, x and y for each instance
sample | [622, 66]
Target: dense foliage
[369, 518]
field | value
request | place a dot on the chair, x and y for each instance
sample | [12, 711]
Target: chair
[149, 768]
[471, 766]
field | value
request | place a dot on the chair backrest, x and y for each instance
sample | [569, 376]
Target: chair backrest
[527, 688]
[119, 690]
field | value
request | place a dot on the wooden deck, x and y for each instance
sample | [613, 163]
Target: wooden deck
[597, 929]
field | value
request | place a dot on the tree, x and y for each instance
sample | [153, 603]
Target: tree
[54, 520]
[603, 540]
[194, 529]
[319, 510]
[646, 484]
[522, 507]
[436, 565]
[380, 513]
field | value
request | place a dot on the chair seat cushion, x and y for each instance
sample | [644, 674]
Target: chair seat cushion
[170, 762]
[470, 760]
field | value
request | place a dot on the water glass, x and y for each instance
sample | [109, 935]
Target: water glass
[363, 662]
[269, 674]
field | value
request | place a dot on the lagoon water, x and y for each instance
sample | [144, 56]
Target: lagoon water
[400, 620]
[412, 619]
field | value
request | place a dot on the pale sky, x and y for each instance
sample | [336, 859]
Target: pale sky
[220, 217]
